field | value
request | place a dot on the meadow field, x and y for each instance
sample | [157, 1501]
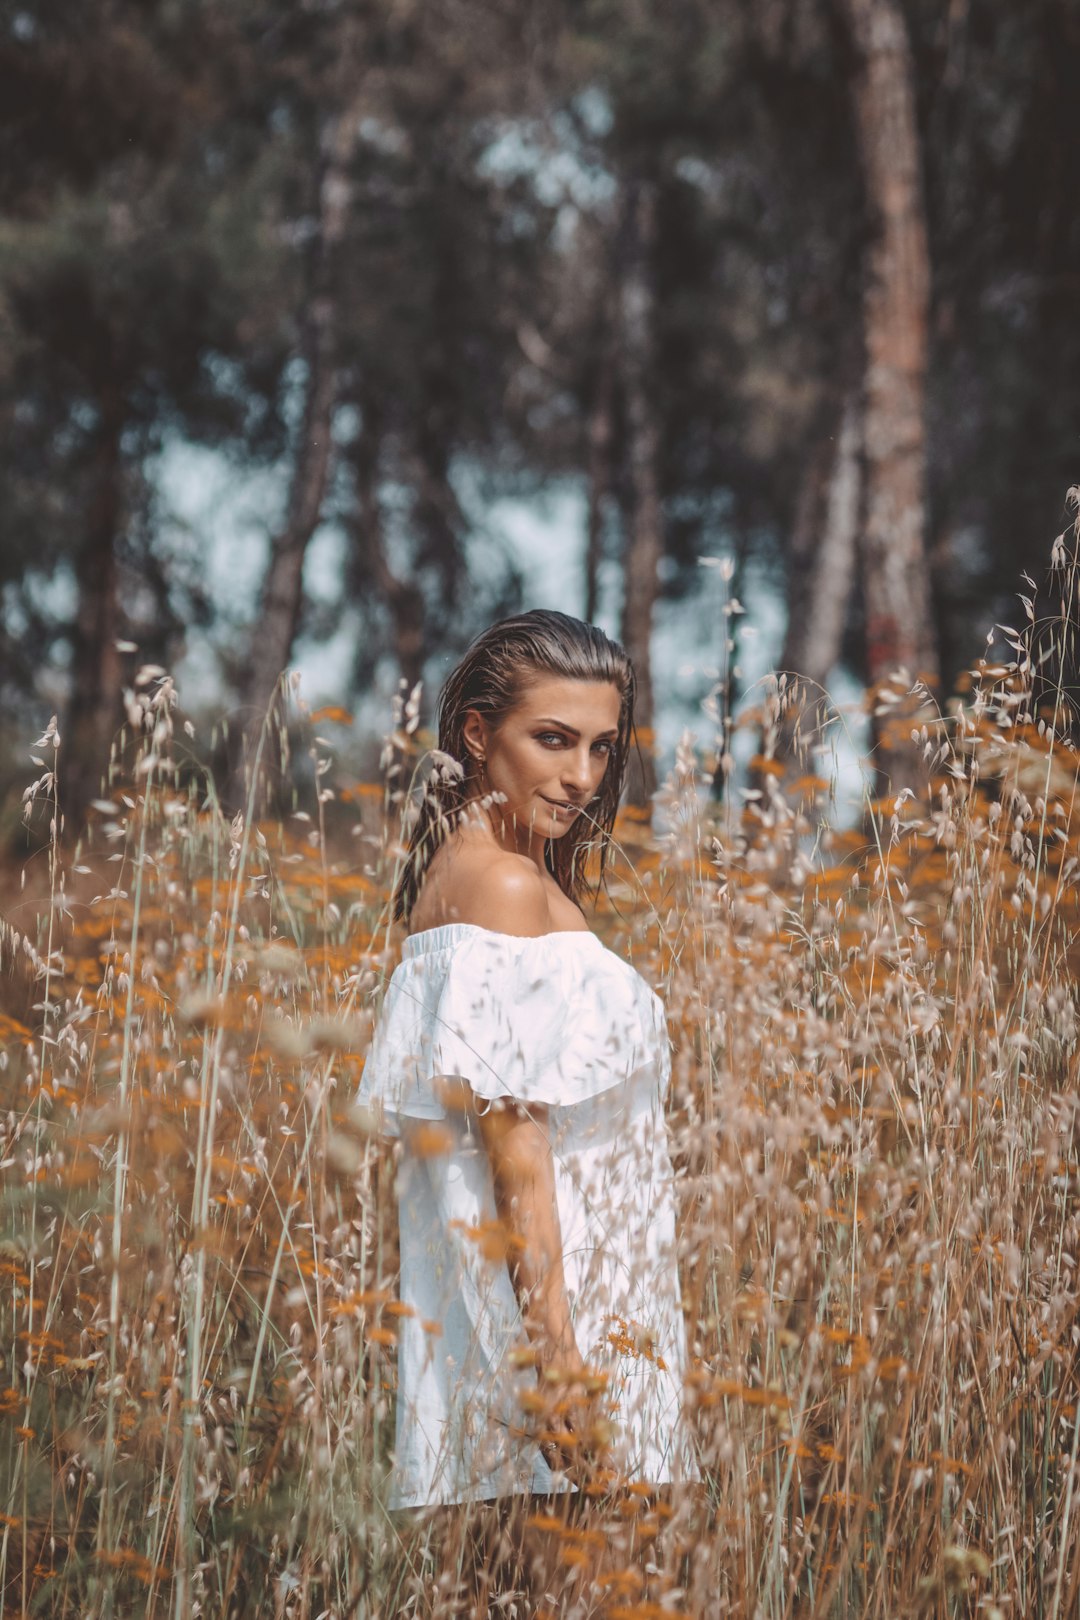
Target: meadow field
[874, 1118]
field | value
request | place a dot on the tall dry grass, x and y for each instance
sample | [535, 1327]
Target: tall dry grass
[874, 1116]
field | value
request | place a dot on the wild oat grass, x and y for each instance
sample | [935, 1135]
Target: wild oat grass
[874, 1116]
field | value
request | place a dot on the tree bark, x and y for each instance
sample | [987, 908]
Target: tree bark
[644, 541]
[895, 314]
[282, 590]
[93, 710]
[403, 597]
[821, 556]
[437, 514]
[438, 523]
[599, 477]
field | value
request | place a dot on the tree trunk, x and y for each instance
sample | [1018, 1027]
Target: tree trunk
[821, 556]
[895, 311]
[437, 513]
[644, 546]
[599, 477]
[403, 597]
[94, 710]
[438, 522]
[282, 590]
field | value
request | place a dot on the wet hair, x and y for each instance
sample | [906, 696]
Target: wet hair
[497, 667]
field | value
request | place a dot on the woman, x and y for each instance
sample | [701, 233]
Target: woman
[524, 1066]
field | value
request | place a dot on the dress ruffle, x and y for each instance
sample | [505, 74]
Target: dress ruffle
[555, 1020]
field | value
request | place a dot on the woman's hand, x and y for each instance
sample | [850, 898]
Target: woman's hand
[572, 1428]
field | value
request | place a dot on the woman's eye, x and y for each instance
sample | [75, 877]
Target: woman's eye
[556, 737]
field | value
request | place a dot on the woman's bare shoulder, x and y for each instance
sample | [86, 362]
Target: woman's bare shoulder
[490, 889]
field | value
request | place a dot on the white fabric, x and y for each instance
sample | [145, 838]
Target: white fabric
[558, 1020]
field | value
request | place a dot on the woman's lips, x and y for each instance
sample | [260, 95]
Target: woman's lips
[562, 808]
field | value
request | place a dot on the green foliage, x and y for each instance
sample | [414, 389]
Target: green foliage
[159, 218]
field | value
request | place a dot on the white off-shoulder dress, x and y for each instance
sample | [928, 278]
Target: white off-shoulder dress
[563, 1021]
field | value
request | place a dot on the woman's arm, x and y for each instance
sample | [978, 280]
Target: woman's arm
[523, 1177]
[507, 894]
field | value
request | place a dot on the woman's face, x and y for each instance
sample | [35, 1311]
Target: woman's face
[550, 752]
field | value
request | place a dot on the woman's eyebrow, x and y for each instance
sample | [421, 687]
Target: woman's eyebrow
[547, 720]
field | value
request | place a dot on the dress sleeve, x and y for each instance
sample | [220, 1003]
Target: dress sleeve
[540, 1020]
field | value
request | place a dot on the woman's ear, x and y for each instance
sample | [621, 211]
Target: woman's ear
[475, 733]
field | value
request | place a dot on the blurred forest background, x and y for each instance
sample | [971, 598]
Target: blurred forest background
[331, 330]
[791, 281]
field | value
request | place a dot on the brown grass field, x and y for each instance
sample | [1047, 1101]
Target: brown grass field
[874, 1115]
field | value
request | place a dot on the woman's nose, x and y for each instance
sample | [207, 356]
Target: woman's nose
[576, 772]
